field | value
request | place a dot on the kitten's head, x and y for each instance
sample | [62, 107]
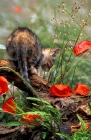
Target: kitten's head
[49, 55]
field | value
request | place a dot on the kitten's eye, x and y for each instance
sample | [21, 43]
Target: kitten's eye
[50, 63]
[44, 67]
[47, 66]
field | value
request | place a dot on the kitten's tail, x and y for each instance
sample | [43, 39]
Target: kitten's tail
[23, 66]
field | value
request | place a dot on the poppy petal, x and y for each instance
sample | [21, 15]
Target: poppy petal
[9, 106]
[3, 85]
[17, 9]
[82, 47]
[30, 118]
[60, 90]
[81, 89]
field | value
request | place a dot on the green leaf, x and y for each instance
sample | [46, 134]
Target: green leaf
[82, 122]
[38, 99]
[63, 136]
[14, 124]
[44, 134]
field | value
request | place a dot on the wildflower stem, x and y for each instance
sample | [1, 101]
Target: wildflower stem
[73, 65]
[64, 72]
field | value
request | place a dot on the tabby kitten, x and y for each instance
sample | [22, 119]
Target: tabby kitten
[24, 47]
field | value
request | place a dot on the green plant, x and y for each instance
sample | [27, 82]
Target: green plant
[64, 30]
[67, 32]
[42, 114]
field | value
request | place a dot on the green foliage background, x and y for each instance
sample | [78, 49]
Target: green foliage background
[54, 28]
[57, 24]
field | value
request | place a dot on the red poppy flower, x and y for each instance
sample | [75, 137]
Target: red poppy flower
[30, 118]
[9, 106]
[17, 9]
[3, 85]
[81, 89]
[82, 47]
[61, 90]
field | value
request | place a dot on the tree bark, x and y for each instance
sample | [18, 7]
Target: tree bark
[36, 82]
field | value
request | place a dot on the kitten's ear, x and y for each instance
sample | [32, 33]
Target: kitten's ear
[54, 52]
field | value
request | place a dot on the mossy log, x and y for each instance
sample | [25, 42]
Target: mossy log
[36, 82]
